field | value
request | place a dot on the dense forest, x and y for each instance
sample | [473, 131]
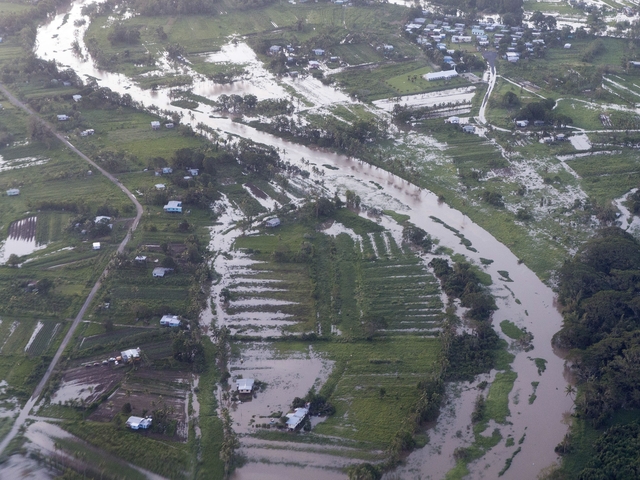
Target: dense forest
[599, 292]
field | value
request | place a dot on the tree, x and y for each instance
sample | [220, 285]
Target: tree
[13, 260]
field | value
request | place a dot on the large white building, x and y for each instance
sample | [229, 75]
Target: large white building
[443, 75]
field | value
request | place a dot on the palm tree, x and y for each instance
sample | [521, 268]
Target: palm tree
[570, 391]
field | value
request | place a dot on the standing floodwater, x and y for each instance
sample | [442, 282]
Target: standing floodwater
[522, 298]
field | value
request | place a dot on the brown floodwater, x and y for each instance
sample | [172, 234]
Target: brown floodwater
[543, 421]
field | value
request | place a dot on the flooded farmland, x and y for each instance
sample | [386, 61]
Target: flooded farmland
[523, 299]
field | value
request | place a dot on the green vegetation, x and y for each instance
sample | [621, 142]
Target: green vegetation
[511, 330]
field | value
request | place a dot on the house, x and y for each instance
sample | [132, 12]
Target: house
[169, 125]
[102, 219]
[443, 75]
[160, 186]
[272, 223]
[137, 423]
[155, 125]
[160, 271]
[512, 57]
[170, 321]
[274, 49]
[538, 123]
[77, 98]
[12, 192]
[193, 171]
[96, 245]
[522, 123]
[66, 83]
[388, 48]
[63, 118]
[245, 385]
[167, 170]
[454, 120]
[561, 137]
[567, 46]
[469, 129]
[460, 39]
[174, 206]
[131, 355]
[86, 133]
[141, 258]
[318, 52]
[314, 65]
[296, 418]
[477, 31]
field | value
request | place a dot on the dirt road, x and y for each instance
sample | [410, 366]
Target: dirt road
[24, 413]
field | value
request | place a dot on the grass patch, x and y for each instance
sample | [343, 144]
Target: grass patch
[511, 330]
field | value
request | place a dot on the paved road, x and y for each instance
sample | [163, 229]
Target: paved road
[24, 413]
[491, 60]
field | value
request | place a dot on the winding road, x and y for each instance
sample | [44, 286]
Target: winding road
[24, 413]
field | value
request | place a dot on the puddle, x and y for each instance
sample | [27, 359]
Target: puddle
[21, 239]
[460, 96]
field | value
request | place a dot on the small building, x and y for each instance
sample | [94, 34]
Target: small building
[12, 192]
[272, 223]
[388, 48]
[469, 129]
[567, 46]
[314, 65]
[538, 123]
[63, 118]
[167, 170]
[454, 120]
[155, 125]
[77, 98]
[245, 385]
[170, 321]
[512, 57]
[160, 186]
[131, 355]
[274, 49]
[102, 219]
[138, 423]
[96, 245]
[160, 272]
[460, 39]
[296, 418]
[318, 52]
[86, 133]
[522, 123]
[174, 206]
[443, 75]
[193, 171]
[170, 125]
[141, 258]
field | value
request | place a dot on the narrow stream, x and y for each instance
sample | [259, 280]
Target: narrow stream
[544, 420]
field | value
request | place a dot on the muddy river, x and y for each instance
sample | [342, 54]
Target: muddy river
[525, 300]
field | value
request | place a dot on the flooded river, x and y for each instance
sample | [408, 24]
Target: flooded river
[525, 300]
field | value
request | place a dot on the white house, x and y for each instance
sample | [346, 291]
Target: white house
[169, 125]
[245, 385]
[522, 123]
[130, 355]
[63, 118]
[314, 65]
[460, 39]
[137, 423]
[193, 171]
[274, 49]
[170, 321]
[102, 219]
[141, 258]
[160, 186]
[454, 120]
[167, 170]
[469, 129]
[155, 125]
[86, 133]
[96, 245]
[173, 206]
[318, 52]
[567, 46]
[296, 418]
[160, 271]
[272, 223]
[443, 75]
[12, 192]
[77, 98]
